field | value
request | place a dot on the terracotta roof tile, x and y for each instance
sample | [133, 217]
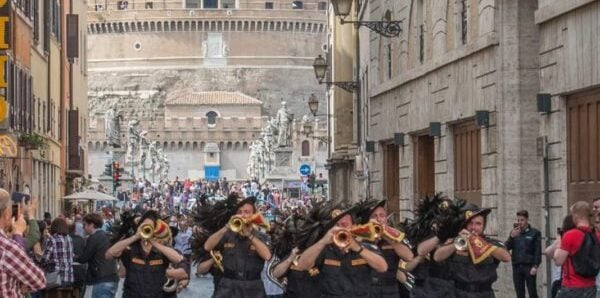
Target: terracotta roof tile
[211, 98]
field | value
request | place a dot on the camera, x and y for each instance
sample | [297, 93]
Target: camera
[559, 231]
[515, 225]
[15, 211]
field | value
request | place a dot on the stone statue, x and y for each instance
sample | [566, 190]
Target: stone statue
[165, 171]
[153, 153]
[284, 120]
[112, 123]
[144, 148]
[133, 137]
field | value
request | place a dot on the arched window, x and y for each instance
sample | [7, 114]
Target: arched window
[305, 148]
[212, 118]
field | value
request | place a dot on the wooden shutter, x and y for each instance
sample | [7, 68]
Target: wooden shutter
[583, 152]
[74, 158]
[72, 36]
[391, 179]
[467, 162]
[424, 167]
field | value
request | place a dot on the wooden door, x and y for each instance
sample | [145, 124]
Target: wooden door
[424, 167]
[391, 180]
[467, 162]
[583, 151]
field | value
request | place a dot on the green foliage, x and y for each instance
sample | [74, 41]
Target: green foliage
[32, 141]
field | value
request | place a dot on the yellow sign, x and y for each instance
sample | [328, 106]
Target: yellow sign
[8, 147]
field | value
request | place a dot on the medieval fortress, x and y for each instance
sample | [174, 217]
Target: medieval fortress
[203, 78]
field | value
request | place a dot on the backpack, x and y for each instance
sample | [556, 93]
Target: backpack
[586, 261]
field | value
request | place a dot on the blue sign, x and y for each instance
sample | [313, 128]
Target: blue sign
[211, 173]
[304, 169]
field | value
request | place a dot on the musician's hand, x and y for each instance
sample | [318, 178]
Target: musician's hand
[295, 251]
[354, 245]
[328, 238]
[182, 285]
[247, 231]
[464, 233]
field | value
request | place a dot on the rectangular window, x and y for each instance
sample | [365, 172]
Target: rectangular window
[210, 4]
[268, 5]
[228, 3]
[149, 5]
[47, 14]
[297, 5]
[389, 61]
[467, 162]
[463, 22]
[322, 5]
[36, 19]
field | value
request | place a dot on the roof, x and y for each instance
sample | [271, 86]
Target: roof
[211, 98]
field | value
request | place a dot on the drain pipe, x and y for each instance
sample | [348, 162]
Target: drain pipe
[547, 214]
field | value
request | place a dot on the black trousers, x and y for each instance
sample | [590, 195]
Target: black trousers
[521, 277]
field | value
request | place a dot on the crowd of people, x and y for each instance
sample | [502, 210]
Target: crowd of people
[254, 242]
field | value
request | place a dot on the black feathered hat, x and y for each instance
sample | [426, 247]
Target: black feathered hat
[365, 208]
[248, 200]
[470, 211]
[321, 218]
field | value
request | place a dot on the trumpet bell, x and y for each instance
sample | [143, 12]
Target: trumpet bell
[236, 224]
[146, 231]
[342, 239]
[460, 243]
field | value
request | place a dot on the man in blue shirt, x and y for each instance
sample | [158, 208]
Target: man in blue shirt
[182, 240]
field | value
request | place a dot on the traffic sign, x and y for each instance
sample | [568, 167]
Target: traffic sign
[304, 169]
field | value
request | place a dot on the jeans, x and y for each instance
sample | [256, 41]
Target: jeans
[105, 290]
[521, 277]
[577, 292]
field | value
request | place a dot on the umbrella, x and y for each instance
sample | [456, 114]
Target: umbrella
[90, 195]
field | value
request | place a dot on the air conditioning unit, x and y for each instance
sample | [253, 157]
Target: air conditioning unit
[325, 47]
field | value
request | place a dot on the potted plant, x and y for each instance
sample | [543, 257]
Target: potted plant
[32, 141]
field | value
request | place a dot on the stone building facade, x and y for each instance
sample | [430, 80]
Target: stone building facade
[44, 89]
[569, 69]
[263, 51]
[451, 108]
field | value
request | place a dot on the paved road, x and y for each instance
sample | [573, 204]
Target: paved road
[201, 287]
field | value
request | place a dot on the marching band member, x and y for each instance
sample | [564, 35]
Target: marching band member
[343, 263]
[473, 258]
[392, 246]
[243, 254]
[147, 260]
[297, 283]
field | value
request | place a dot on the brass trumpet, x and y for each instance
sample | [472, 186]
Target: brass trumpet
[341, 238]
[237, 224]
[218, 259]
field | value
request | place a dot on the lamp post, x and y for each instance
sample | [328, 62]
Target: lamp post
[320, 67]
[387, 28]
[313, 104]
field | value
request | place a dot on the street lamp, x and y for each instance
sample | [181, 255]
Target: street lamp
[313, 104]
[320, 67]
[387, 28]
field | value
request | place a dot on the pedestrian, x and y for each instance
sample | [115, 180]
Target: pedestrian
[18, 274]
[182, 240]
[549, 252]
[147, 261]
[525, 243]
[596, 211]
[58, 256]
[574, 283]
[473, 271]
[344, 268]
[244, 254]
[102, 279]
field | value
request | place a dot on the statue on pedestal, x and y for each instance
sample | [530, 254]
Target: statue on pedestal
[133, 137]
[112, 126]
[284, 124]
[144, 147]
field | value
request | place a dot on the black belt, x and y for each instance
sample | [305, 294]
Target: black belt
[241, 275]
[473, 287]
[383, 281]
